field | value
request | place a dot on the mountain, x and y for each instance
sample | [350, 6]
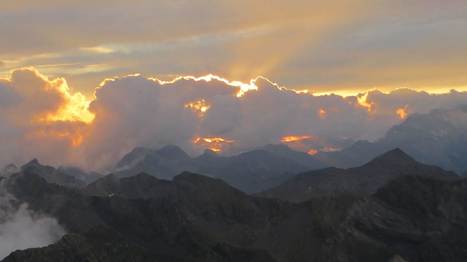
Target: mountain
[363, 180]
[142, 186]
[64, 175]
[51, 174]
[197, 218]
[251, 171]
[164, 163]
[437, 138]
[206, 220]
[80, 174]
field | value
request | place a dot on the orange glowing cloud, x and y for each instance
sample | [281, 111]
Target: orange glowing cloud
[296, 138]
[322, 113]
[200, 107]
[402, 112]
[312, 152]
[216, 144]
[299, 142]
[363, 101]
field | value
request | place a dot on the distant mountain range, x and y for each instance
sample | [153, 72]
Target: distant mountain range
[251, 171]
[412, 212]
[65, 176]
[438, 138]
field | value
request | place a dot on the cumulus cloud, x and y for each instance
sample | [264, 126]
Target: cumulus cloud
[136, 110]
[39, 117]
[21, 228]
[194, 113]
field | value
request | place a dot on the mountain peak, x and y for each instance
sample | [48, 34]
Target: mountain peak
[173, 152]
[395, 157]
[33, 162]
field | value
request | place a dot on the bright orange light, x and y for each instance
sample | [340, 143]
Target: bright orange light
[200, 107]
[402, 112]
[363, 102]
[75, 107]
[294, 139]
[216, 144]
[312, 152]
[322, 113]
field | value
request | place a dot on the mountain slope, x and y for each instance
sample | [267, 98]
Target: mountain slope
[411, 218]
[363, 180]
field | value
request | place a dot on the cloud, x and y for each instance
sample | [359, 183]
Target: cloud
[135, 110]
[21, 228]
[39, 117]
[43, 118]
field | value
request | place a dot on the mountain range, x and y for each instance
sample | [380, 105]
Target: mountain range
[65, 176]
[250, 172]
[415, 213]
[437, 138]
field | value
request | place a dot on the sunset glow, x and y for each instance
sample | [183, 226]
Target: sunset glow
[322, 113]
[402, 112]
[296, 138]
[233, 130]
[363, 102]
[216, 144]
[312, 152]
[200, 107]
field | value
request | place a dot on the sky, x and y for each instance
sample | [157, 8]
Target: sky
[345, 46]
[84, 82]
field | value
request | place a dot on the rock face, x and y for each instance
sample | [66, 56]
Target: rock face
[250, 172]
[422, 217]
[363, 180]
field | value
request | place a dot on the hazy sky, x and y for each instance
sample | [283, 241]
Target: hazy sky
[323, 46]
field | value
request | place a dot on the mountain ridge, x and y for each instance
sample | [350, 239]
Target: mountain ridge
[364, 180]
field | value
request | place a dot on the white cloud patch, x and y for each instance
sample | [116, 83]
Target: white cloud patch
[20, 228]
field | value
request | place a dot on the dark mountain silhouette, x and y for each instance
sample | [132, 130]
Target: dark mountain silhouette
[51, 174]
[437, 138]
[251, 171]
[196, 218]
[363, 180]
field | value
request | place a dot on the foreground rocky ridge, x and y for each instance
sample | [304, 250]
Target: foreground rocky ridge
[197, 218]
